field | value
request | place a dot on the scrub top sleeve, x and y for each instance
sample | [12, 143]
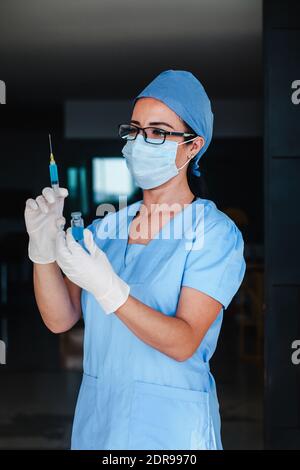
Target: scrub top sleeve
[218, 267]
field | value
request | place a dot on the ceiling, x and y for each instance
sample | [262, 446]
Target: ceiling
[52, 51]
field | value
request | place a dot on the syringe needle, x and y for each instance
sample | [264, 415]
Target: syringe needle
[51, 152]
[50, 143]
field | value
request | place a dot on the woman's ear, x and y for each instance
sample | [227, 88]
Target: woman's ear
[195, 146]
[200, 142]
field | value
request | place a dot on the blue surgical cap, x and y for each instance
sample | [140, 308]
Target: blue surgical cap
[182, 92]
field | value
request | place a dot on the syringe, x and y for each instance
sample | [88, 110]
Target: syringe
[54, 179]
[53, 169]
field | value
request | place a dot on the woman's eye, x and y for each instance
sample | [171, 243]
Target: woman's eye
[158, 132]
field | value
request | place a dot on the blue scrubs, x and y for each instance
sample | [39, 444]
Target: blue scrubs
[133, 396]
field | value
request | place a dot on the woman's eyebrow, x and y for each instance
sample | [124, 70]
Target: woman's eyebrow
[154, 123]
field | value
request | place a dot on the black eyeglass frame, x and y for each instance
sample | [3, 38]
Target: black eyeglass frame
[143, 129]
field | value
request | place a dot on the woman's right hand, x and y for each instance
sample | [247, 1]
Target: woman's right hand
[43, 216]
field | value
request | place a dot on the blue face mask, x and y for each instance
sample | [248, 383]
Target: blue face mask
[150, 164]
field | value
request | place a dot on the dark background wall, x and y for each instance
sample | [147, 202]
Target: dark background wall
[282, 223]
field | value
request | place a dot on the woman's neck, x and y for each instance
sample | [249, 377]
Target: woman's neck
[171, 195]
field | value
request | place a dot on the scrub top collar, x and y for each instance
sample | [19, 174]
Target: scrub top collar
[159, 236]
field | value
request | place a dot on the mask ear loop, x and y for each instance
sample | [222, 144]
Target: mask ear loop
[188, 161]
[191, 156]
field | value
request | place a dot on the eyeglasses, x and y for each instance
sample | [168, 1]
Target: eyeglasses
[157, 136]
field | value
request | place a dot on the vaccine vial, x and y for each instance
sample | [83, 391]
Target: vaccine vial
[77, 225]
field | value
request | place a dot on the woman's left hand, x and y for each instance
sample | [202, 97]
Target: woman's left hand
[91, 271]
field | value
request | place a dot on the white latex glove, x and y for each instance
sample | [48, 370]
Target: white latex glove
[92, 272]
[43, 216]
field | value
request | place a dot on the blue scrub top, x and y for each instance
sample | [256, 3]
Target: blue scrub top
[132, 250]
[133, 396]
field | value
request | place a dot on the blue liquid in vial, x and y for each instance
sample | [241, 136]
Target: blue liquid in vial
[77, 233]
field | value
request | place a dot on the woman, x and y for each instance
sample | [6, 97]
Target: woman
[152, 300]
